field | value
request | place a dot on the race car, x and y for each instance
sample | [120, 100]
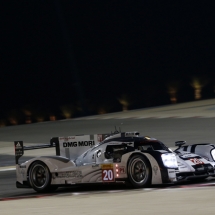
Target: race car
[118, 157]
[195, 161]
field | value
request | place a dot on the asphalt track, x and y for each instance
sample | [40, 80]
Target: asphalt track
[184, 198]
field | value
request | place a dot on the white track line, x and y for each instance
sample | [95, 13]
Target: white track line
[9, 168]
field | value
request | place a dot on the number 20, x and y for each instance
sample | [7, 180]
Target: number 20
[108, 175]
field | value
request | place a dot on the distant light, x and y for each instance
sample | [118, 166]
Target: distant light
[28, 120]
[52, 118]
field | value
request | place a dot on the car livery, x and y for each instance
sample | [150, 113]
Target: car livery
[99, 158]
[195, 161]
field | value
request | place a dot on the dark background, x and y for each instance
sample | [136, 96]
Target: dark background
[87, 54]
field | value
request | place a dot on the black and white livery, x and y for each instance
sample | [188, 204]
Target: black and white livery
[195, 161]
[99, 158]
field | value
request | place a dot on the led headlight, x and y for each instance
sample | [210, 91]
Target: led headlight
[213, 154]
[169, 160]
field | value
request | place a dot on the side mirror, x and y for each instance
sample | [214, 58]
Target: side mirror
[180, 143]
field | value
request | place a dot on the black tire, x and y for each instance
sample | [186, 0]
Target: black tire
[40, 177]
[139, 171]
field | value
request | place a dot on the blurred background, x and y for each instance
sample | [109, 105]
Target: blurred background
[67, 59]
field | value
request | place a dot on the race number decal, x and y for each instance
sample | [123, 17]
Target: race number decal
[196, 161]
[107, 173]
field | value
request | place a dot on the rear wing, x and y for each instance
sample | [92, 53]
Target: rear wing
[20, 148]
[70, 147]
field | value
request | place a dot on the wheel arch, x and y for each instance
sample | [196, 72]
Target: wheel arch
[156, 175]
[138, 153]
[48, 162]
[29, 167]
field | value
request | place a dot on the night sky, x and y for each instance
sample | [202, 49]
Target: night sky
[89, 53]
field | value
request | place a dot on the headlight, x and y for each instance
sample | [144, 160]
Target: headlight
[169, 160]
[213, 154]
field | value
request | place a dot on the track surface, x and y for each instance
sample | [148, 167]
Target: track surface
[168, 130]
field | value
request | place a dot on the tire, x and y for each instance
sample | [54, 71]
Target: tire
[139, 171]
[40, 177]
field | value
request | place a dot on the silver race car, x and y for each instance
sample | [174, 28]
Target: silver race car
[118, 157]
[115, 158]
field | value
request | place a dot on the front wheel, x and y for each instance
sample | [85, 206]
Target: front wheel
[40, 177]
[139, 171]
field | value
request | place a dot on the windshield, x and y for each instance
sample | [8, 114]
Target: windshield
[152, 145]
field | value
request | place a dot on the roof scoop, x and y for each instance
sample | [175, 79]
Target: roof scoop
[132, 134]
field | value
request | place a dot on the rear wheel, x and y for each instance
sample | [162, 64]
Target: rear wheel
[40, 177]
[139, 171]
